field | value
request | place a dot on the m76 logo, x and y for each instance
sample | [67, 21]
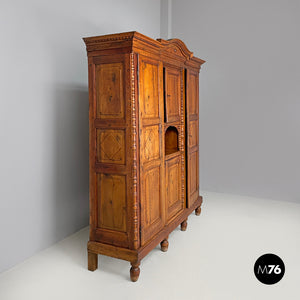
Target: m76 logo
[272, 269]
[269, 268]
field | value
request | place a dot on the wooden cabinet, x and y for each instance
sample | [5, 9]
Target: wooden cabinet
[144, 149]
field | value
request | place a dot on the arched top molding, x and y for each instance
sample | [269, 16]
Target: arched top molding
[176, 46]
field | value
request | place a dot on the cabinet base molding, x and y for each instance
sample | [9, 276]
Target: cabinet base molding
[135, 256]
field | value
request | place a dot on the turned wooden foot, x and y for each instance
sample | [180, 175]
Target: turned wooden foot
[198, 211]
[164, 245]
[134, 271]
[92, 261]
[183, 225]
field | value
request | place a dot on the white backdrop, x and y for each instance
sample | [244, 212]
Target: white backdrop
[44, 114]
[249, 93]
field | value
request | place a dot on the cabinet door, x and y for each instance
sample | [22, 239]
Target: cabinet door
[174, 199]
[151, 154]
[172, 91]
[192, 127]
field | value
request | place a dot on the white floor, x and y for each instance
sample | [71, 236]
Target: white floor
[213, 259]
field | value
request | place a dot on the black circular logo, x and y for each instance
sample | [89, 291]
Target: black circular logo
[269, 268]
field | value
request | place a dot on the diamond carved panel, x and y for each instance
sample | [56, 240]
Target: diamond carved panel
[111, 146]
[151, 143]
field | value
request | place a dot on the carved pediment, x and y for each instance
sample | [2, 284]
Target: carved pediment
[176, 47]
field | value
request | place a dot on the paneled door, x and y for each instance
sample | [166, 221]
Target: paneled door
[172, 82]
[151, 147]
[174, 141]
[192, 125]
[174, 199]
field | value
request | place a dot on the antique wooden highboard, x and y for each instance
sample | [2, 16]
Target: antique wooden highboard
[144, 152]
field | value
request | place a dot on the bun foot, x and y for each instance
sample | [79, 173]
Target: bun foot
[183, 225]
[134, 271]
[164, 245]
[198, 211]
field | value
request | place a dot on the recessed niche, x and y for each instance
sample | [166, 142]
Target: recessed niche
[171, 140]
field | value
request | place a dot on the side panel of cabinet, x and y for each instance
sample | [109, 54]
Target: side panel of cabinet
[151, 148]
[110, 150]
[110, 90]
[192, 132]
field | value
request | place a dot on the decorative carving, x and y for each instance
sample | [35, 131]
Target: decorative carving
[182, 139]
[135, 206]
[90, 41]
[151, 142]
[111, 146]
[177, 47]
[136, 40]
